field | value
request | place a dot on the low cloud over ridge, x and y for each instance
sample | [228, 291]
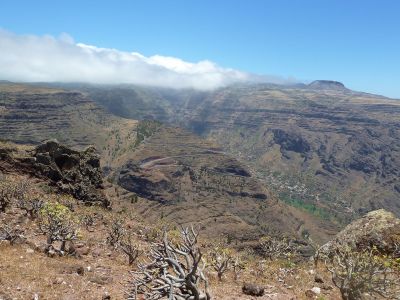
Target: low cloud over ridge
[31, 58]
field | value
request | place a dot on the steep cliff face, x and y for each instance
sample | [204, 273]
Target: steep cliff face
[30, 115]
[77, 173]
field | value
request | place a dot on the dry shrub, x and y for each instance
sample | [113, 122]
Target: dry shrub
[10, 233]
[57, 222]
[221, 260]
[358, 272]
[131, 248]
[11, 191]
[172, 272]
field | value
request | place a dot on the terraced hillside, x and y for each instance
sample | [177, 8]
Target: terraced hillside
[30, 114]
[187, 178]
[330, 151]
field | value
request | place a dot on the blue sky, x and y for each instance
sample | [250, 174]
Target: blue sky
[356, 42]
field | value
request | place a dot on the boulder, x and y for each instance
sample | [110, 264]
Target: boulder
[318, 279]
[253, 290]
[313, 293]
[379, 228]
[106, 296]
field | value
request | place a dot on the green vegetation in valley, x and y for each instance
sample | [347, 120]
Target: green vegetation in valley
[145, 129]
[308, 207]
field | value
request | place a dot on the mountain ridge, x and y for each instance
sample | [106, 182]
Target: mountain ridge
[326, 84]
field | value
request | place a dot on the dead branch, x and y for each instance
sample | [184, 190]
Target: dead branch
[274, 247]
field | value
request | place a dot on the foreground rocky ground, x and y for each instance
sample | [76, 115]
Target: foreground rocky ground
[97, 270]
[51, 182]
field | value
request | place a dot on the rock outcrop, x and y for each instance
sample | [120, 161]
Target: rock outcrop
[379, 228]
[74, 172]
[77, 173]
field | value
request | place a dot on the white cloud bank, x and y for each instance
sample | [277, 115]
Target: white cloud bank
[30, 58]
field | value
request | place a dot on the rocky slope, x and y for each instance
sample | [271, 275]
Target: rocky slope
[331, 148]
[94, 269]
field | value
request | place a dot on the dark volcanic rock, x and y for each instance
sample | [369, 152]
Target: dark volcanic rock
[73, 172]
[132, 178]
[77, 173]
[234, 169]
[252, 290]
[318, 279]
[291, 141]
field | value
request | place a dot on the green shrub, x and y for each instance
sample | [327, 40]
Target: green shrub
[358, 272]
[59, 224]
